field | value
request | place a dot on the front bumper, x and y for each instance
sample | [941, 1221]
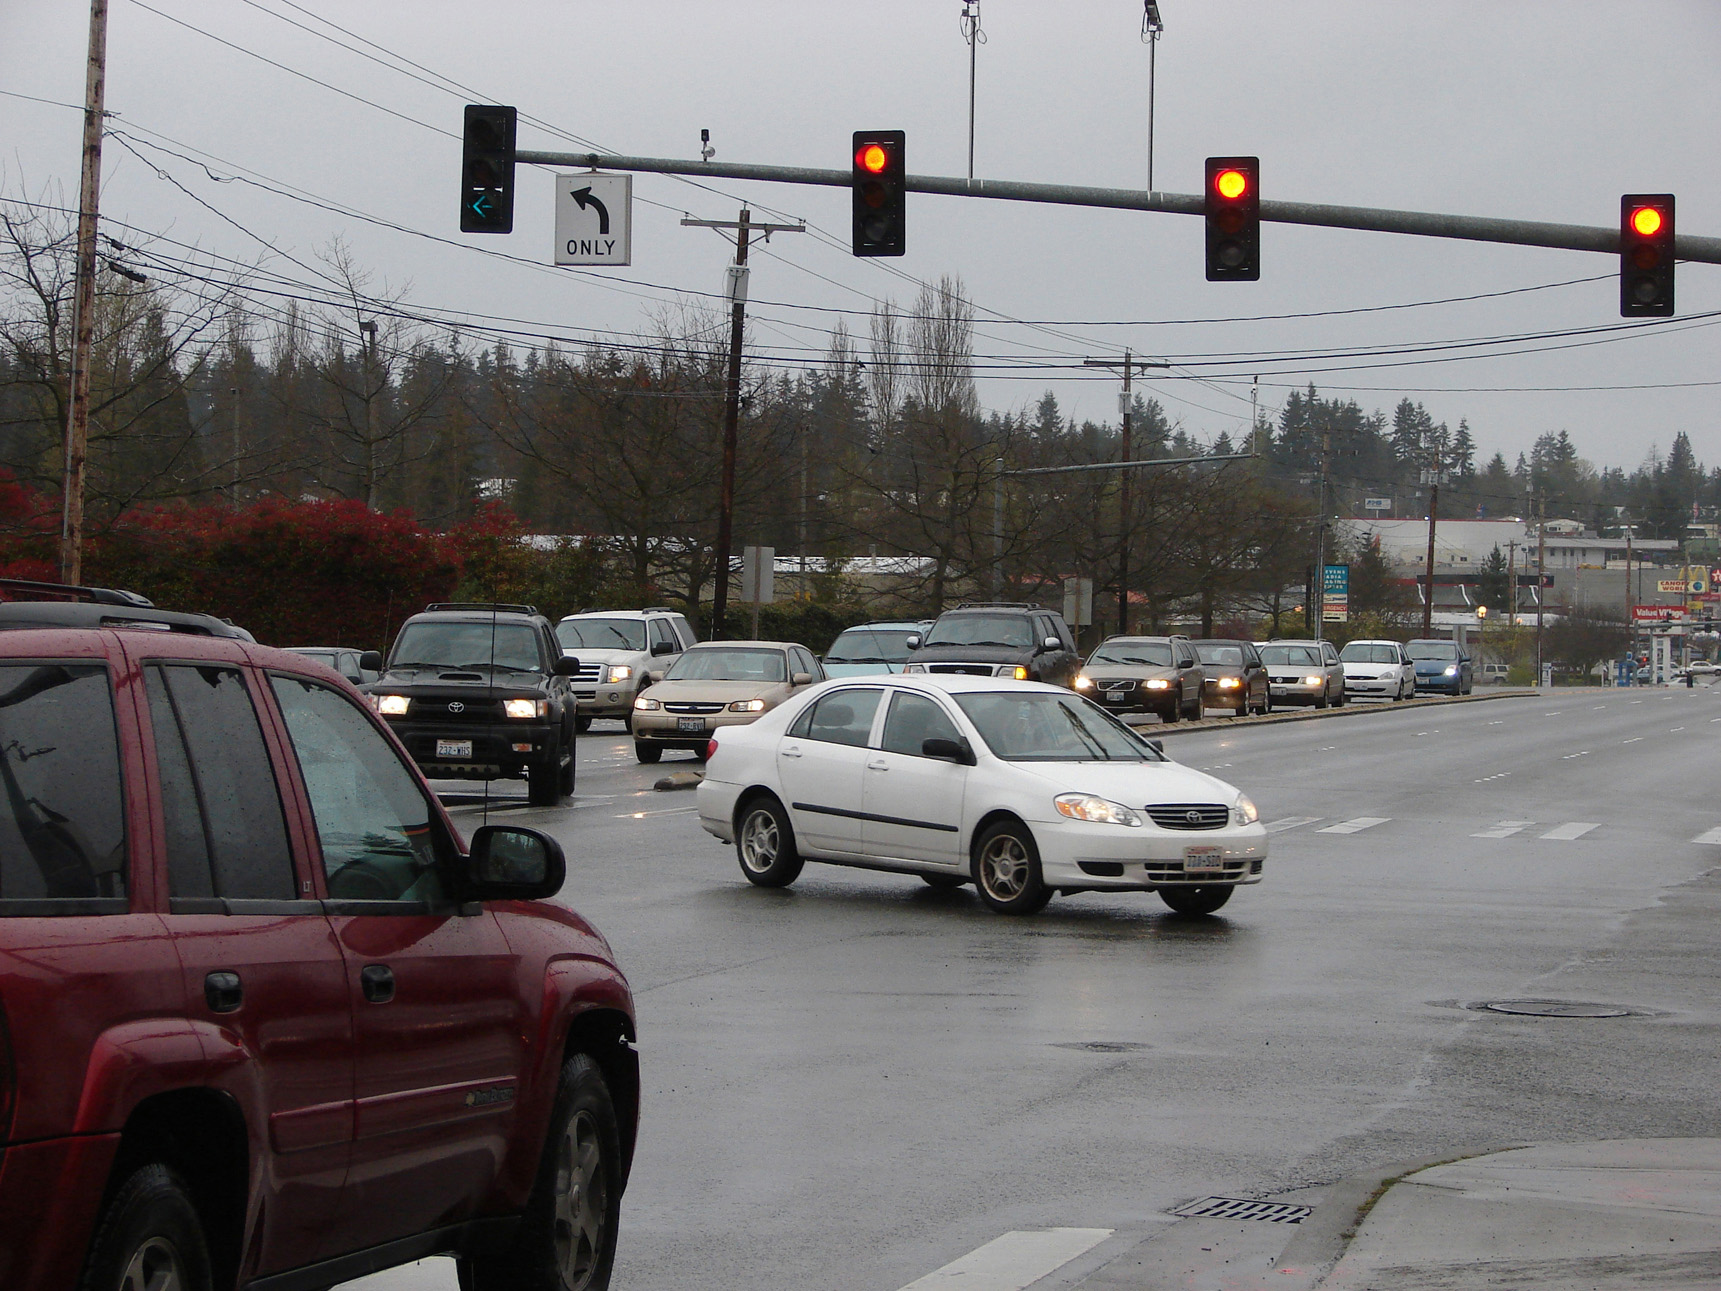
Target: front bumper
[669, 729]
[1371, 685]
[1080, 854]
[605, 701]
[450, 751]
[1295, 692]
[1443, 684]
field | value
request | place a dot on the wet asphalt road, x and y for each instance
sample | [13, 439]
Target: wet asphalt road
[854, 1082]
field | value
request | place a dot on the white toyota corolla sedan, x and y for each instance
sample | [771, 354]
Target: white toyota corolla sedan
[1023, 789]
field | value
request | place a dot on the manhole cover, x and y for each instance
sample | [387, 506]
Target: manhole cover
[1102, 1046]
[1274, 1212]
[1555, 1009]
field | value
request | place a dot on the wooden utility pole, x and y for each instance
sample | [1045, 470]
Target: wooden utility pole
[732, 400]
[1128, 363]
[84, 307]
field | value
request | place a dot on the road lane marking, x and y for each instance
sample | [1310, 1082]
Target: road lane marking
[1634, 701]
[1289, 822]
[1674, 729]
[1354, 826]
[1013, 1261]
[1498, 722]
[1633, 740]
[1498, 775]
[1713, 836]
[1505, 829]
[1598, 708]
[1581, 753]
[1571, 829]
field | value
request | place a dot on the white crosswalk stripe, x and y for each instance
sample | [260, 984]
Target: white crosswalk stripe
[1571, 830]
[1355, 826]
[1504, 829]
[1289, 822]
[1713, 836]
[1013, 1261]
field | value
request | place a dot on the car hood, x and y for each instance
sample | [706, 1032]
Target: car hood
[668, 692]
[587, 654]
[972, 654]
[860, 669]
[1368, 669]
[1135, 784]
[1433, 667]
[1102, 672]
[441, 678]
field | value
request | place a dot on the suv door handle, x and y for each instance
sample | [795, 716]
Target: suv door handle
[377, 982]
[223, 992]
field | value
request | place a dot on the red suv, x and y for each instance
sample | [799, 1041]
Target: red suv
[265, 1022]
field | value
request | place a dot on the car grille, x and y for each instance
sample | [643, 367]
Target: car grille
[1173, 872]
[1190, 815]
[1122, 687]
[458, 710]
[589, 672]
[966, 669]
[687, 706]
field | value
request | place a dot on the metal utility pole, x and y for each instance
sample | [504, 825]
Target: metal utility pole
[367, 331]
[1151, 27]
[84, 307]
[1512, 583]
[732, 399]
[1128, 363]
[975, 37]
[1318, 616]
[1541, 575]
[1428, 598]
[233, 485]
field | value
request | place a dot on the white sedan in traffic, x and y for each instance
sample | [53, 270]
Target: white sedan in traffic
[1025, 790]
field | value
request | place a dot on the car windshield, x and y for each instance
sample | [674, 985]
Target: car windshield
[321, 656]
[601, 634]
[729, 663]
[1432, 650]
[1038, 727]
[1151, 654]
[1368, 652]
[870, 645]
[1295, 656]
[467, 645]
[1220, 656]
[982, 629]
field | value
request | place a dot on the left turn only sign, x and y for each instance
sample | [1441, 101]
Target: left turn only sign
[594, 219]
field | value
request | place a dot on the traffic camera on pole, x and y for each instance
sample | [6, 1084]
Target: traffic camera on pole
[1646, 255]
[1233, 207]
[880, 198]
[487, 169]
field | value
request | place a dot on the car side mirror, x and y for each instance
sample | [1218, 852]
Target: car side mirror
[512, 863]
[566, 666]
[370, 661]
[802, 679]
[1158, 746]
[662, 647]
[957, 751]
[1051, 643]
[913, 641]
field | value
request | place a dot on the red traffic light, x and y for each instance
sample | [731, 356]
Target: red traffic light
[1231, 184]
[1646, 255]
[1646, 221]
[879, 188]
[872, 157]
[1233, 209]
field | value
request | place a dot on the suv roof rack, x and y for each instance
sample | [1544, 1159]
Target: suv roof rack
[63, 592]
[494, 606]
[659, 609]
[999, 605]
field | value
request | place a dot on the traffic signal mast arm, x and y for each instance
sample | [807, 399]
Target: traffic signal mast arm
[1470, 228]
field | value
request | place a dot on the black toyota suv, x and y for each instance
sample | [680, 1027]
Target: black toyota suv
[480, 692]
[998, 639]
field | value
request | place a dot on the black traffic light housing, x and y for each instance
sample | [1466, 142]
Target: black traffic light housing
[880, 198]
[1232, 203]
[487, 169]
[1646, 255]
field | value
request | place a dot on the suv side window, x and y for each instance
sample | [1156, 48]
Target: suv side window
[380, 839]
[226, 834]
[62, 821]
[684, 630]
[660, 632]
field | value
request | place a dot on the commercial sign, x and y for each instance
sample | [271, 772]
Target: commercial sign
[1672, 585]
[1657, 613]
[1335, 593]
[1378, 504]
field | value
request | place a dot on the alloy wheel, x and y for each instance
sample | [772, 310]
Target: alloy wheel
[154, 1266]
[581, 1202]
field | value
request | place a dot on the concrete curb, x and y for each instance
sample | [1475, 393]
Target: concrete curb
[679, 780]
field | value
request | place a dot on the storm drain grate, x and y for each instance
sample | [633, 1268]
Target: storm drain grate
[1274, 1212]
[1555, 1009]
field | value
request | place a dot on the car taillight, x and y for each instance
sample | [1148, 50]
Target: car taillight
[710, 749]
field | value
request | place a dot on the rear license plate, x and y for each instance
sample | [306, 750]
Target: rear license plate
[693, 724]
[1203, 860]
[454, 748]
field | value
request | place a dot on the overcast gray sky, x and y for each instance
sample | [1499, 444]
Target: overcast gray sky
[1541, 109]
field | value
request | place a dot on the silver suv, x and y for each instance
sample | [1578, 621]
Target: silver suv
[619, 650]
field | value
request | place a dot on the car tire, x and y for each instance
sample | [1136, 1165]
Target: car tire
[1006, 869]
[1202, 900]
[1266, 703]
[1172, 714]
[647, 753]
[1321, 700]
[566, 780]
[943, 882]
[582, 723]
[544, 783]
[1194, 712]
[149, 1235]
[567, 1237]
[765, 843]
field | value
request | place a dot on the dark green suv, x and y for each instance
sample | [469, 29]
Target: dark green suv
[480, 692]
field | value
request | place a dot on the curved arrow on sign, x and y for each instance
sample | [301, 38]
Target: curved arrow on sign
[584, 197]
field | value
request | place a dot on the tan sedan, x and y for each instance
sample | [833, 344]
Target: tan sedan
[717, 684]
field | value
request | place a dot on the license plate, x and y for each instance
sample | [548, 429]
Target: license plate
[1117, 697]
[1203, 860]
[454, 748]
[693, 724]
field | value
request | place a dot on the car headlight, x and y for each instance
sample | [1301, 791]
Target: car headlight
[914, 667]
[1084, 682]
[392, 705]
[526, 708]
[645, 705]
[1314, 681]
[1452, 670]
[1086, 806]
[1229, 683]
[1243, 811]
[1019, 673]
[619, 672]
[747, 706]
[1157, 683]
